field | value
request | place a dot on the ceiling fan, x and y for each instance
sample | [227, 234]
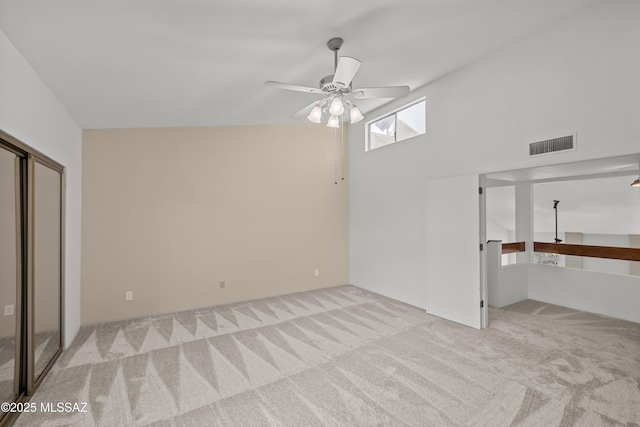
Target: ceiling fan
[337, 102]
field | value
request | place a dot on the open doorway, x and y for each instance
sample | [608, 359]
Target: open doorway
[593, 244]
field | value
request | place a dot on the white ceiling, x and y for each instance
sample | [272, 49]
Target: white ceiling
[595, 196]
[604, 167]
[158, 63]
[593, 206]
[161, 63]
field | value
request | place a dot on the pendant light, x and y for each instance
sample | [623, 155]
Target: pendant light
[355, 114]
[315, 115]
[333, 121]
[337, 107]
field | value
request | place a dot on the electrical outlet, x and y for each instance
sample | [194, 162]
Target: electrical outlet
[128, 296]
[316, 272]
[9, 310]
[222, 284]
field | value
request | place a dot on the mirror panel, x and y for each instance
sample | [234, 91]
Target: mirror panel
[9, 217]
[47, 273]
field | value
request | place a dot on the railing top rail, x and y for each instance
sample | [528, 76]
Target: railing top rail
[609, 252]
[511, 248]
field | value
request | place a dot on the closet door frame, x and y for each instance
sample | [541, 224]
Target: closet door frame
[18, 377]
[25, 382]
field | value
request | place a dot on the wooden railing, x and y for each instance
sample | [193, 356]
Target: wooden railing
[610, 252]
[512, 248]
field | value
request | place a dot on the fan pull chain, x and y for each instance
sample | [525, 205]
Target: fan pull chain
[342, 158]
[335, 162]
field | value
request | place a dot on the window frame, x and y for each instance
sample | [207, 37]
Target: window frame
[394, 112]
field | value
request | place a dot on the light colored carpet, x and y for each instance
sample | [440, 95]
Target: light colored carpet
[46, 345]
[347, 357]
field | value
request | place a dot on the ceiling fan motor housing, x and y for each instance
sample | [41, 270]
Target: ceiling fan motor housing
[326, 84]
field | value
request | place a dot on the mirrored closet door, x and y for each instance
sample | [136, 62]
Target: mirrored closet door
[9, 272]
[31, 274]
[46, 247]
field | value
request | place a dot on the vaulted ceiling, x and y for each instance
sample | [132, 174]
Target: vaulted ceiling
[163, 63]
[158, 63]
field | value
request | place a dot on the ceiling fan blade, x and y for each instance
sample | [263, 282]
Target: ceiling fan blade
[289, 86]
[304, 112]
[381, 92]
[346, 70]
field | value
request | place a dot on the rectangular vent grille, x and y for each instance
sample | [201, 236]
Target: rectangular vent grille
[551, 145]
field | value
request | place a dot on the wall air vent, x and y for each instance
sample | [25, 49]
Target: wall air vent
[552, 145]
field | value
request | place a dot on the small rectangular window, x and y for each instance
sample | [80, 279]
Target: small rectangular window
[404, 123]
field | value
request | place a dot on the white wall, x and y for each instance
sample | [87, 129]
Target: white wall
[611, 295]
[31, 113]
[505, 284]
[580, 75]
[496, 231]
[513, 284]
[608, 294]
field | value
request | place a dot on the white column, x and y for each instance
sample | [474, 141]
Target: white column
[494, 261]
[524, 220]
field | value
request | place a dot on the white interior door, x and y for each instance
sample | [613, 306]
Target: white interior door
[453, 250]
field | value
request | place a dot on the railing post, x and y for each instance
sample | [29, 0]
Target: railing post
[494, 264]
[524, 220]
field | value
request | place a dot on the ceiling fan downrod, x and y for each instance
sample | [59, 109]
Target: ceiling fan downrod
[335, 44]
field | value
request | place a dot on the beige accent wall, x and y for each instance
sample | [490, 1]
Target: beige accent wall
[169, 213]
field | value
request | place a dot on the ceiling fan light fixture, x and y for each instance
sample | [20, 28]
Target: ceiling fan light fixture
[337, 93]
[337, 107]
[355, 114]
[333, 121]
[315, 115]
